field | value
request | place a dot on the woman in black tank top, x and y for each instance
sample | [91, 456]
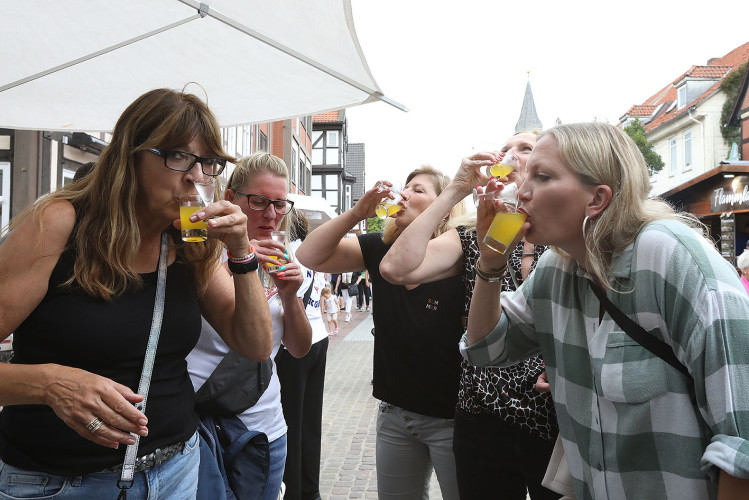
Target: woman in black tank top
[77, 286]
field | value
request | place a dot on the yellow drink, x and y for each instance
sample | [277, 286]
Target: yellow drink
[192, 231]
[503, 230]
[501, 170]
[273, 268]
[386, 210]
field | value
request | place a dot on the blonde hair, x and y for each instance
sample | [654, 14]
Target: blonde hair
[325, 291]
[603, 154]
[107, 235]
[440, 181]
[258, 163]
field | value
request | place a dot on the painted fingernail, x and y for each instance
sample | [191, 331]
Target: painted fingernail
[282, 268]
[286, 254]
[281, 275]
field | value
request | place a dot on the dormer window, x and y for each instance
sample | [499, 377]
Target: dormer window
[681, 96]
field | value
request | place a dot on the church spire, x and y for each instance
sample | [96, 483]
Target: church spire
[528, 121]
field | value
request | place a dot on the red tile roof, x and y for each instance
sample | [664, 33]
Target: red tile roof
[329, 116]
[716, 68]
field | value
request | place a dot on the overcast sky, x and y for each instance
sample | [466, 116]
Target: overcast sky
[461, 69]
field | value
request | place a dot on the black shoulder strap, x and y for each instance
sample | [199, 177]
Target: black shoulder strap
[638, 333]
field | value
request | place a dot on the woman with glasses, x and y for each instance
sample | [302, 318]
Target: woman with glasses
[78, 279]
[258, 187]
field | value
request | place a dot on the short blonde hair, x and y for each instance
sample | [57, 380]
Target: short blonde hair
[258, 163]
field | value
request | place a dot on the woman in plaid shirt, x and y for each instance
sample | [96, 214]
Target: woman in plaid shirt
[632, 425]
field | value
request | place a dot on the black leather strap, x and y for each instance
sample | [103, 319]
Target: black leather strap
[638, 333]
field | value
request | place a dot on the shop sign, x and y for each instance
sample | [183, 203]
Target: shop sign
[732, 196]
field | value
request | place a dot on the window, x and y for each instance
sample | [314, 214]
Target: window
[347, 202]
[674, 157]
[292, 164]
[302, 173]
[231, 141]
[317, 182]
[681, 96]
[687, 150]
[262, 141]
[247, 142]
[331, 181]
[325, 148]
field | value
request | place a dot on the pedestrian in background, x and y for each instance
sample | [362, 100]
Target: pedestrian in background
[302, 384]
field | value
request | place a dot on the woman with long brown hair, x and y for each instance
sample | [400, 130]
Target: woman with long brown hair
[78, 278]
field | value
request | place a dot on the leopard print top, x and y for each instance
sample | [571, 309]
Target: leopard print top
[482, 388]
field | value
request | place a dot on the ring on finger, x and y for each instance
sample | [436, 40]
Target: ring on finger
[94, 425]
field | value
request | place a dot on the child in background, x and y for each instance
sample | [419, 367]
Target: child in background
[331, 310]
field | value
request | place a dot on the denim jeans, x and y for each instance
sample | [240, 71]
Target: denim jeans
[277, 451]
[175, 479]
[409, 446]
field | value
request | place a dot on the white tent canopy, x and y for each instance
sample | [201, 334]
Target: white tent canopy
[77, 64]
[316, 209]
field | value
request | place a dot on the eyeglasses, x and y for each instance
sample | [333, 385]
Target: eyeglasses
[260, 203]
[182, 161]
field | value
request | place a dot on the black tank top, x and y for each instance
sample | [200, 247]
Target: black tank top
[74, 329]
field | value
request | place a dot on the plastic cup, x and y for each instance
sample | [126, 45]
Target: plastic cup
[389, 207]
[505, 226]
[504, 167]
[192, 232]
[279, 236]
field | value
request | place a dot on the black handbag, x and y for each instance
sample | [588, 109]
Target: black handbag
[235, 385]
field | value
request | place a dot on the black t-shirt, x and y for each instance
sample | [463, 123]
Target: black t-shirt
[416, 357]
[74, 329]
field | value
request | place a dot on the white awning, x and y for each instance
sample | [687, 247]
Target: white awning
[316, 209]
[77, 64]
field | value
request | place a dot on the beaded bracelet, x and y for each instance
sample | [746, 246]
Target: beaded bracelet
[493, 276]
[243, 265]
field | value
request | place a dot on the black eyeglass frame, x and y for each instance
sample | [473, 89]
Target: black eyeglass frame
[289, 202]
[164, 153]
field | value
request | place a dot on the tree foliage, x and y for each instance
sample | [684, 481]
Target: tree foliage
[375, 225]
[637, 132]
[730, 85]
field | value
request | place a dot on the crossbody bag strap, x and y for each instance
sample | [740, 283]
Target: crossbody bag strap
[639, 334]
[308, 293]
[131, 453]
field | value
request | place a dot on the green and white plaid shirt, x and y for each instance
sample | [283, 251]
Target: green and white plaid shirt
[633, 426]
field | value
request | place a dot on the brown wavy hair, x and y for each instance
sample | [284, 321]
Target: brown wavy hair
[106, 234]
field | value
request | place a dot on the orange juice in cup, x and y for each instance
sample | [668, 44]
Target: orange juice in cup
[505, 226]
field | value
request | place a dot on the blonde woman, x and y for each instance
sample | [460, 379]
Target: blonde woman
[633, 426]
[259, 186]
[77, 287]
[504, 428]
[416, 365]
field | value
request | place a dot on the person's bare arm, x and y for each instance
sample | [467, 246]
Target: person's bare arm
[326, 250]
[416, 257]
